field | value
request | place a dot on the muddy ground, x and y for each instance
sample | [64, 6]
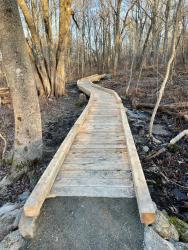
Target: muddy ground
[58, 116]
[166, 174]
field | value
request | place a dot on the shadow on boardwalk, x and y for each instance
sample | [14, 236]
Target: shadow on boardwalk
[79, 223]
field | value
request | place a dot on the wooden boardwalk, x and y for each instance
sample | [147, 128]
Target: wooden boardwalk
[98, 158]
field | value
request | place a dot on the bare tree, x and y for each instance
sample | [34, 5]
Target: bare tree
[173, 53]
[46, 52]
[28, 130]
[64, 29]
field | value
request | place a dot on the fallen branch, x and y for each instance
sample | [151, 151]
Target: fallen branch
[162, 107]
[155, 154]
[179, 136]
[169, 109]
[172, 142]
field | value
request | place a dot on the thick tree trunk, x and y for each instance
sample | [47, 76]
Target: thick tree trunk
[28, 130]
[64, 29]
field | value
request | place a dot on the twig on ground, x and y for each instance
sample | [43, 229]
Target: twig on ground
[175, 183]
[153, 155]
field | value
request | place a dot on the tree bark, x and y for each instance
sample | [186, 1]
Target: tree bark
[117, 45]
[50, 43]
[64, 29]
[13, 48]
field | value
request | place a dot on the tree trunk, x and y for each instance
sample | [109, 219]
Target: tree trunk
[165, 44]
[50, 43]
[117, 36]
[18, 69]
[64, 28]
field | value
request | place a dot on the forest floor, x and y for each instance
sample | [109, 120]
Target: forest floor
[166, 174]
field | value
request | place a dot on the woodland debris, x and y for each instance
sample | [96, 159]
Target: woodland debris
[181, 105]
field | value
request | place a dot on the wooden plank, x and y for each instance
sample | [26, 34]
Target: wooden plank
[106, 105]
[95, 160]
[109, 128]
[88, 158]
[144, 201]
[99, 134]
[99, 146]
[96, 166]
[125, 192]
[96, 152]
[103, 122]
[102, 139]
[93, 181]
[104, 174]
[109, 116]
[105, 112]
[104, 101]
[99, 108]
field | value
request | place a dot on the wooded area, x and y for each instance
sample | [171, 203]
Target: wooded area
[67, 39]
[140, 47]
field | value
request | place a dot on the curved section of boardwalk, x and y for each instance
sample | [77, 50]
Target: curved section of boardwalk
[97, 163]
[98, 158]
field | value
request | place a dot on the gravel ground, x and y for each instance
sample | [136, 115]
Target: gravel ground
[80, 223]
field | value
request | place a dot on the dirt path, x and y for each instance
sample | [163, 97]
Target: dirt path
[88, 223]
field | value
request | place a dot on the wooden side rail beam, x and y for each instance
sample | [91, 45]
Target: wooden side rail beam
[145, 204]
